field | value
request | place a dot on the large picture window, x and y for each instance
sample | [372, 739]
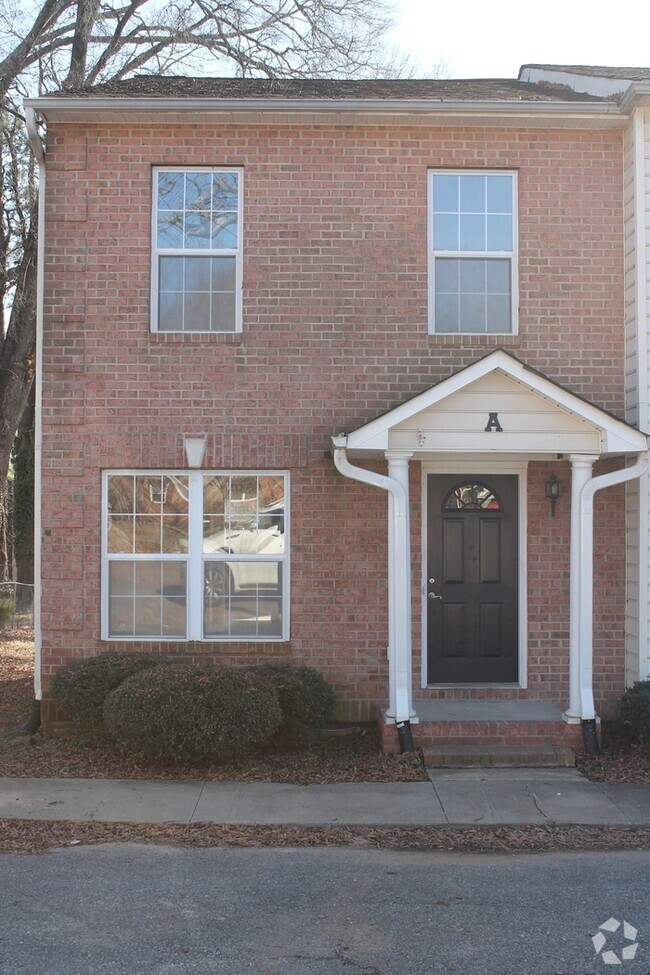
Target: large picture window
[473, 252]
[195, 556]
[196, 271]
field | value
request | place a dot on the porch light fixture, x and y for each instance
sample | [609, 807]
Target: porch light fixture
[195, 450]
[552, 488]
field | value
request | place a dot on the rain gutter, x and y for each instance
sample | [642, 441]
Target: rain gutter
[49, 107]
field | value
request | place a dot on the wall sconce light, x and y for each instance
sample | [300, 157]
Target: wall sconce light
[195, 450]
[552, 488]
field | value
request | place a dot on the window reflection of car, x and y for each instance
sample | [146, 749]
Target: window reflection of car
[262, 535]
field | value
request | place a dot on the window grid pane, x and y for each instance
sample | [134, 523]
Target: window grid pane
[147, 598]
[244, 549]
[479, 214]
[473, 213]
[147, 516]
[197, 211]
[237, 560]
[242, 599]
[472, 295]
[197, 294]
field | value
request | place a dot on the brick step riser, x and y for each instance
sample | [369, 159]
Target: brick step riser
[489, 740]
[557, 758]
[492, 733]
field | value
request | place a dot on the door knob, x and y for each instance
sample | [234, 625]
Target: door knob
[434, 595]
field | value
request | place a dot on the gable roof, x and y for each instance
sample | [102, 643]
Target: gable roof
[613, 436]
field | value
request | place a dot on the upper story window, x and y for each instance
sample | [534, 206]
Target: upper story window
[196, 272]
[473, 253]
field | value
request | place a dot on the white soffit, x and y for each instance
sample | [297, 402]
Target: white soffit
[497, 405]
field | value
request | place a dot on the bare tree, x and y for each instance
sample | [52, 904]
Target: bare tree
[69, 44]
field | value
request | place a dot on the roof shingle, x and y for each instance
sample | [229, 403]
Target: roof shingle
[156, 86]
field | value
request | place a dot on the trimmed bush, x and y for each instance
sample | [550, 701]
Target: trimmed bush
[81, 687]
[306, 700]
[634, 711]
[192, 714]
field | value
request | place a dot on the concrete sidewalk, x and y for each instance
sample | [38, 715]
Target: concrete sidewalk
[483, 797]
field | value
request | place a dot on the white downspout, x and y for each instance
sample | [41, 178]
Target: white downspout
[39, 153]
[586, 648]
[399, 652]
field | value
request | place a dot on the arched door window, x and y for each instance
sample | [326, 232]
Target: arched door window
[471, 496]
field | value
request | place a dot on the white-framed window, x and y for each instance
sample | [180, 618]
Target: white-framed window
[195, 555]
[472, 252]
[196, 254]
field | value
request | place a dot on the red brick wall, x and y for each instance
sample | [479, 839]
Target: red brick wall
[335, 332]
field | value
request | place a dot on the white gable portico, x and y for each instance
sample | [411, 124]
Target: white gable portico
[496, 415]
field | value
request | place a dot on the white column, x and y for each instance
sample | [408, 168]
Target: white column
[581, 468]
[399, 592]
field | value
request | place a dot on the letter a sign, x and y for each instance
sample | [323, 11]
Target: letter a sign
[493, 424]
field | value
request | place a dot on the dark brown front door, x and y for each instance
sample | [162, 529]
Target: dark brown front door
[472, 579]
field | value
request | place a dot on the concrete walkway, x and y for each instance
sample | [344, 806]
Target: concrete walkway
[483, 797]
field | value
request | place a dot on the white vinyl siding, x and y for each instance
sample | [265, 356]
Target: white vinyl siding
[636, 182]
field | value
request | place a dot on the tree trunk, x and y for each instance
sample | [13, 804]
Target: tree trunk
[18, 351]
[87, 11]
[6, 532]
[23, 506]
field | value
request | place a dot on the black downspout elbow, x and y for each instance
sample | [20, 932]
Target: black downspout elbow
[405, 736]
[590, 737]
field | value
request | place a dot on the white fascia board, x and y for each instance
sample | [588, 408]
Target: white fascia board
[74, 108]
[616, 436]
[637, 95]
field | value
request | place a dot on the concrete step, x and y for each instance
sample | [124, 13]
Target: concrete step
[498, 756]
[501, 727]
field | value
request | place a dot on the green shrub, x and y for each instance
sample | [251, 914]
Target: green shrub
[81, 687]
[192, 714]
[634, 711]
[306, 700]
[7, 608]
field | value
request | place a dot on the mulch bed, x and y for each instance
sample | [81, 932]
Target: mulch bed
[27, 836]
[352, 758]
[621, 760]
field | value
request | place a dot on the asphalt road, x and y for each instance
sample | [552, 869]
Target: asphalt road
[131, 910]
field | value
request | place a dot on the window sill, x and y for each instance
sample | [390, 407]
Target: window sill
[479, 341]
[196, 338]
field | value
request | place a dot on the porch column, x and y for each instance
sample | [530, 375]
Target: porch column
[400, 698]
[581, 468]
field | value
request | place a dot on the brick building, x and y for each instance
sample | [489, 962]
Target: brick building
[329, 373]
